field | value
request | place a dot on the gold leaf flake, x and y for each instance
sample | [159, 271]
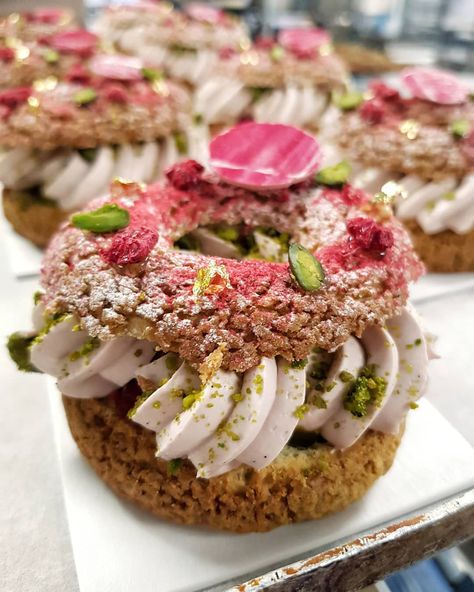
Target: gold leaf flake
[410, 128]
[21, 53]
[249, 58]
[161, 88]
[211, 279]
[45, 84]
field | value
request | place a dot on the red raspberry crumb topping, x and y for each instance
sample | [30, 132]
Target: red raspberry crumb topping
[265, 42]
[370, 236]
[226, 53]
[13, 97]
[78, 74]
[372, 111]
[384, 91]
[115, 93]
[467, 146]
[131, 245]
[353, 196]
[7, 54]
[47, 16]
[185, 175]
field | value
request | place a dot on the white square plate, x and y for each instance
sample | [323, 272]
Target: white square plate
[118, 548]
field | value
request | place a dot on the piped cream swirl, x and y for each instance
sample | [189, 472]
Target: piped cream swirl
[436, 205]
[71, 180]
[244, 418]
[224, 100]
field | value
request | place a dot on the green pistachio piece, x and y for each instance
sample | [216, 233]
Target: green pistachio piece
[227, 233]
[277, 52]
[85, 96]
[449, 196]
[151, 74]
[174, 466]
[335, 175]
[348, 100]
[51, 56]
[257, 92]
[306, 269]
[460, 128]
[105, 219]
[88, 153]
[18, 345]
[181, 142]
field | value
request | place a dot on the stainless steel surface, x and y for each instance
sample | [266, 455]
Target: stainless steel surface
[354, 563]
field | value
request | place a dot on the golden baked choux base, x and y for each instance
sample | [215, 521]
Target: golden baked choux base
[444, 251]
[34, 219]
[301, 484]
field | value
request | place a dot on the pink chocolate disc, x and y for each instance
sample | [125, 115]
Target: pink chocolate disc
[264, 156]
[204, 13]
[78, 41]
[305, 41]
[434, 85]
[117, 67]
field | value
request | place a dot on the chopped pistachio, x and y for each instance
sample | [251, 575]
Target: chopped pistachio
[18, 345]
[181, 143]
[277, 52]
[348, 100]
[141, 399]
[346, 376]
[151, 74]
[85, 96]
[228, 233]
[173, 466]
[369, 389]
[88, 154]
[337, 174]
[85, 350]
[51, 56]
[306, 269]
[301, 411]
[257, 92]
[299, 364]
[37, 297]
[449, 196]
[105, 219]
[413, 405]
[460, 128]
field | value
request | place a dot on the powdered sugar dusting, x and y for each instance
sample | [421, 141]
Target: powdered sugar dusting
[264, 312]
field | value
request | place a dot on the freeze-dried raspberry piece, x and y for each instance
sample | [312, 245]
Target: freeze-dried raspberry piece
[372, 111]
[115, 93]
[185, 175]
[7, 54]
[132, 245]
[370, 236]
[353, 196]
[13, 97]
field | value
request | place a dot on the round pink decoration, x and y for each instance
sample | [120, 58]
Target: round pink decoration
[264, 156]
[304, 42]
[204, 13]
[117, 67]
[437, 86]
[78, 41]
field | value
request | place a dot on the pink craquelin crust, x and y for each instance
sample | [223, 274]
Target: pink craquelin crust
[133, 282]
